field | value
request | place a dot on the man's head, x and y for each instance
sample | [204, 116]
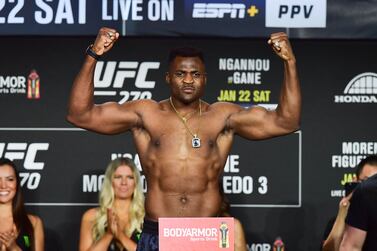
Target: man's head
[186, 52]
[187, 75]
[366, 168]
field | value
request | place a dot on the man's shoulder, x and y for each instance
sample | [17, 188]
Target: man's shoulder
[148, 102]
[373, 179]
[224, 106]
[141, 104]
[369, 184]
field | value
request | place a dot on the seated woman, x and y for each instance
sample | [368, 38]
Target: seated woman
[18, 230]
[116, 223]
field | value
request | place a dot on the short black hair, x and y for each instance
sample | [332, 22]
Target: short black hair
[185, 52]
[369, 160]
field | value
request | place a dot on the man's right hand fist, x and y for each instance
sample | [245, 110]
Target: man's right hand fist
[105, 40]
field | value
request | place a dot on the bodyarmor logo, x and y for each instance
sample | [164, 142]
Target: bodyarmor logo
[12, 85]
[224, 236]
[33, 85]
[21, 85]
[27, 153]
[259, 247]
[361, 89]
[278, 245]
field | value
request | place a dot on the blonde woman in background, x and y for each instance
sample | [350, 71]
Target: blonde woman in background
[116, 223]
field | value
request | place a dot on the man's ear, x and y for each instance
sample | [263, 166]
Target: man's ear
[167, 77]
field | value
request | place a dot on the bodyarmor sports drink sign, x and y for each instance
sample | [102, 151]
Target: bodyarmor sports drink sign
[214, 233]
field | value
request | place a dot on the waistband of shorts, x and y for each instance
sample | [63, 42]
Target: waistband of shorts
[150, 227]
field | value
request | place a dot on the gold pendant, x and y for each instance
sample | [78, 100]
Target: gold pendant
[195, 142]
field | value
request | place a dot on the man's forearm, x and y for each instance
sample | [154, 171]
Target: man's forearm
[290, 96]
[81, 97]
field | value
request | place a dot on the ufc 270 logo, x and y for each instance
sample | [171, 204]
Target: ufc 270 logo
[113, 75]
[26, 153]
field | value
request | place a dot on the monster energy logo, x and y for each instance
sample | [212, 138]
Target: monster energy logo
[26, 240]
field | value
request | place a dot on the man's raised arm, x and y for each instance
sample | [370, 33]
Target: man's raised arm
[259, 123]
[108, 118]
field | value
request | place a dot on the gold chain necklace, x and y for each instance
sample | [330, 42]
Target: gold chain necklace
[195, 141]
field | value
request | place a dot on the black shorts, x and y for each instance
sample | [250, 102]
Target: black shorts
[149, 237]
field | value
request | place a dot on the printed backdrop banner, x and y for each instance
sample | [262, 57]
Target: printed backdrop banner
[285, 187]
[348, 19]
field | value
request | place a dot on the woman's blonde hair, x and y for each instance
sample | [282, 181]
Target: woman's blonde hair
[106, 200]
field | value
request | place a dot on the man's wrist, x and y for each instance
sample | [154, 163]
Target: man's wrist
[89, 51]
[291, 61]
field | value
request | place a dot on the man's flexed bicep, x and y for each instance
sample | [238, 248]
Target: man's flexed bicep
[108, 118]
[259, 123]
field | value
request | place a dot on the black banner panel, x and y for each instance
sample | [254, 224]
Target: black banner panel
[286, 187]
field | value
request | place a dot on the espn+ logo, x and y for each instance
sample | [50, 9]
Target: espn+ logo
[26, 153]
[109, 78]
[223, 10]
